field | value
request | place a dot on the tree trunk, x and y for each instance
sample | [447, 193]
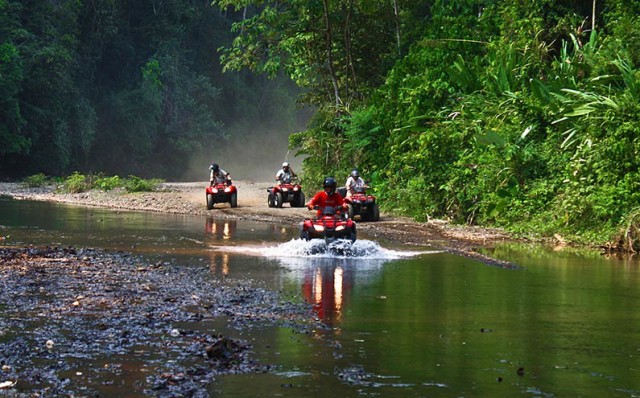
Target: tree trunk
[244, 17]
[397, 18]
[349, 67]
[328, 37]
[593, 16]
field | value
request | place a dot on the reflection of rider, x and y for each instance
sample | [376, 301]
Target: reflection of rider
[354, 182]
[219, 176]
[327, 198]
[285, 174]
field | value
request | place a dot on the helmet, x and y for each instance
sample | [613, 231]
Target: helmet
[330, 183]
[215, 167]
[285, 164]
[355, 173]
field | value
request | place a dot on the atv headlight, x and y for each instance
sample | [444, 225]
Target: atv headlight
[340, 228]
[215, 190]
[295, 188]
[227, 189]
[318, 228]
[285, 189]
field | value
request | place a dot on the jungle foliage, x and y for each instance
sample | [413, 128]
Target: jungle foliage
[125, 87]
[521, 114]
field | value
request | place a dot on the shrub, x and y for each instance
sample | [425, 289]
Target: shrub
[75, 183]
[36, 180]
[137, 184]
[108, 183]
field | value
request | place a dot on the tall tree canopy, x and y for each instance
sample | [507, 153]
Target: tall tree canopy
[120, 87]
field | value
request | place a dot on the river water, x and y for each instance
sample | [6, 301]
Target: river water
[401, 321]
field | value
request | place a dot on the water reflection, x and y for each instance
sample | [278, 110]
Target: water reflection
[327, 287]
[219, 264]
[327, 283]
[220, 229]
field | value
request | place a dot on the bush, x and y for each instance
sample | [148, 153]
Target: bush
[75, 183]
[35, 181]
[108, 183]
[137, 184]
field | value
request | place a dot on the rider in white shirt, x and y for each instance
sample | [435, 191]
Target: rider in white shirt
[354, 182]
[285, 174]
[219, 176]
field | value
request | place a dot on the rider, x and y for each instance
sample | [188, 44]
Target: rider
[219, 176]
[354, 182]
[285, 174]
[327, 197]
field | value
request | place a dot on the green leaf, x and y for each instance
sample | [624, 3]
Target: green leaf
[490, 138]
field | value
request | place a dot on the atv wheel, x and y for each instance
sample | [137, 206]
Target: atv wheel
[234, 200]
[352, 234]
[277, 200]
[270, 200]
[351, 211]
[299, 200]
[375, 213]
[304, 235]
[209, 201]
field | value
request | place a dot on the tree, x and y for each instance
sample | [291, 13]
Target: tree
[336, 50]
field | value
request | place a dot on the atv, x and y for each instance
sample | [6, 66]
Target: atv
[331, 225]
[221, 192]
[286, 193]
[361, 204]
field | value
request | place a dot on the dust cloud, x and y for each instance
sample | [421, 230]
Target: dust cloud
[249, 156]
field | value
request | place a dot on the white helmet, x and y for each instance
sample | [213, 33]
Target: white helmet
[285, 164]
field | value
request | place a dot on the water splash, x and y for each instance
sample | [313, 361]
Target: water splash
[317, 248]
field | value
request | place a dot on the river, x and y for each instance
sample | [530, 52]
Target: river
[402, 321]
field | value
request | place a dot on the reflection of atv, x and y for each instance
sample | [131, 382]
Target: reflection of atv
[283, 193]
[361, 204]
[220, 229]
[329, 226]
[222, 193]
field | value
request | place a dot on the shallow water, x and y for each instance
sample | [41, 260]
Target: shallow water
[402, 322]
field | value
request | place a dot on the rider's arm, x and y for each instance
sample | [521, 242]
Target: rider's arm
[315, 201]
[341, 202]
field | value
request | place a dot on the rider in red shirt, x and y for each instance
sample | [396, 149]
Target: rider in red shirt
[328, 197]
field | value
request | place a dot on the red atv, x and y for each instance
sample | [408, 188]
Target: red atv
[221, 192]
[331, 225]
[286, 193]
[361, 204]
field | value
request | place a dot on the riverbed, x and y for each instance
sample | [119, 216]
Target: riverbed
[151, 304]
